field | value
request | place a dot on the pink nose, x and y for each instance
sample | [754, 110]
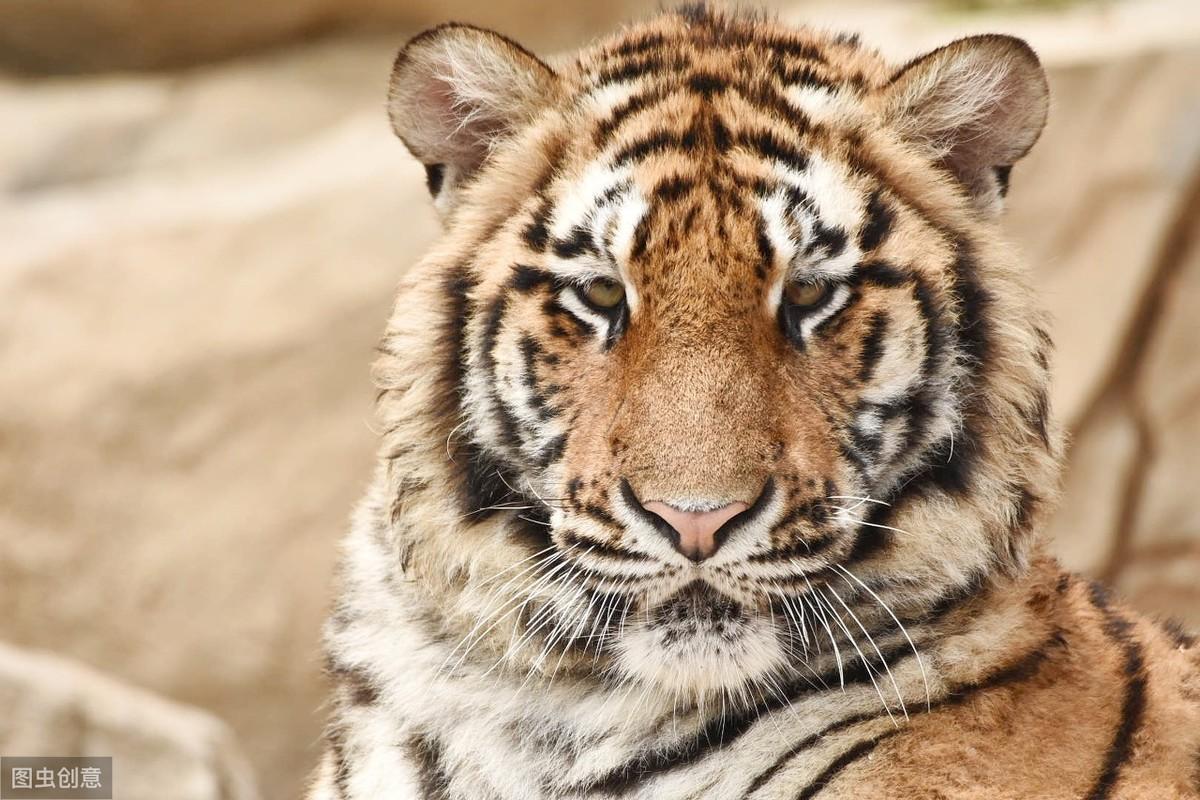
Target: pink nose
[696, 529]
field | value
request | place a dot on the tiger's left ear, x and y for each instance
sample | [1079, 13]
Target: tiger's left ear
[457, 91]
[976, 105]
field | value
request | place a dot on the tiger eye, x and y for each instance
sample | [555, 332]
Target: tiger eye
[605, 293]
[806, 295]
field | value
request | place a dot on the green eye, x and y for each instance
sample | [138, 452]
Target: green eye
[806, 295]
[604, 293]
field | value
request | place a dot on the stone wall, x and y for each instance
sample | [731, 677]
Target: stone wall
[79, 36]
[195, 269]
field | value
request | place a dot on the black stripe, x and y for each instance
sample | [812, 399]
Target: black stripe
[616, 326]
[954, 597]
[578, 242]
[628, 108]
[484, 482]
[1180, 637]
[596, 547]
[1038, 416]
[804, 75]
[531, 351]
[657, 142]
[975, 303]
[800, 548]
[673, 188]
[458, 285]
[600, 514]
[792, 48]
[870, 540]
[872, 347]
[830, 239]
[847, 758]
[722, 139]
[1018, 671]
[426, 755]
[510, 436]
[706, 84]
[532, 526]
[633, 47]
[879, 223]
[766, 252]
[525, 278]
[633, 68]
[480, 483]
[360, 685]
[765, 94]
[552, 451]
[881, 273]
[723, 732]
[537, 232]
[769, 145]
[641, 239]
[335, 738]
[1133, 706]
[937, 334]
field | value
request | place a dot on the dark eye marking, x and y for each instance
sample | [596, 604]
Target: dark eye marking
[806, 307]
[604, 298]
[557, 312]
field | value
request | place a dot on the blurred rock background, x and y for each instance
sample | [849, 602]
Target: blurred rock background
[202, 216]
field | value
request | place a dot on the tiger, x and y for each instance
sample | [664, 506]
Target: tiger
[716, 444]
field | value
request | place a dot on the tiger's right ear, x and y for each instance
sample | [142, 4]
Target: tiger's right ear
[455, 92]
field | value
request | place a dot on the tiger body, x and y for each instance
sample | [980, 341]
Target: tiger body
[716, 266]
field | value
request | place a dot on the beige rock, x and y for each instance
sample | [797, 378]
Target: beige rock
[159, 748]
[73, 36]
[187, 406]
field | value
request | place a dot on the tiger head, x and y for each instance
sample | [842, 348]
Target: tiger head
[720, 356]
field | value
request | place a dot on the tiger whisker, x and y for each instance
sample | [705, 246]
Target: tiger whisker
[514, 605]
[900, 625]
[488, 612]
[859, 499]
[862, 658]
[450, 436]
[511, 567]
[847, 517]
[809, 599]
[878, 652]
[582, 588]
[552, 577]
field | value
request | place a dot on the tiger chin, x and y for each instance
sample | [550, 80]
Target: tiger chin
[716, 444]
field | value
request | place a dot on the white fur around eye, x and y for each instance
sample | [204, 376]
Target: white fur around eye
[572, 303]
[841, 296]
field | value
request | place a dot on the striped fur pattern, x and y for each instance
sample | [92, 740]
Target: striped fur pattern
[880, 621]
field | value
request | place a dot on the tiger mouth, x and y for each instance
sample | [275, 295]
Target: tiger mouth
[698, 606]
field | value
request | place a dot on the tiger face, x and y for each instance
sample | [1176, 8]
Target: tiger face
[717, 326]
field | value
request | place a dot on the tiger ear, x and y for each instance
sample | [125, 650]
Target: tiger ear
[976, 105]
[455, 92]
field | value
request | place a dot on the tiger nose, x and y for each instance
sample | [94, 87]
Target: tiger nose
[694, 533]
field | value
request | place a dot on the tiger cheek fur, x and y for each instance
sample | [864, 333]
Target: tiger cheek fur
[716, 442]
